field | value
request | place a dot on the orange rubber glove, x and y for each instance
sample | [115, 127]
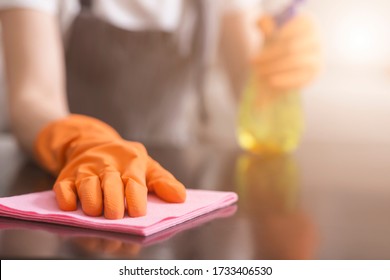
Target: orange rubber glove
[95, 165]
[290, 57]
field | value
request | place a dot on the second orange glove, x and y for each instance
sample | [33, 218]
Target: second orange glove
[102, 170]
[291, 56]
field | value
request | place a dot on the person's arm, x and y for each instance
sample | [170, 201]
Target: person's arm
[240, 41]
[35, 76]
[92, 162]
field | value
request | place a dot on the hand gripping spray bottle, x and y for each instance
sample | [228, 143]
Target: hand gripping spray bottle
[270, 122]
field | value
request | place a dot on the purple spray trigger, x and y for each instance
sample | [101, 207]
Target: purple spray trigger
[288, 13]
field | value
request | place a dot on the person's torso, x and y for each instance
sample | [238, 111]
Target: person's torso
[139, 82]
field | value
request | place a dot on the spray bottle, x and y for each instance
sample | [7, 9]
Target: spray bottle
[270, 122]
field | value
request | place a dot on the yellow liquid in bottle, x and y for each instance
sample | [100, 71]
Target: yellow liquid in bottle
[269, 122]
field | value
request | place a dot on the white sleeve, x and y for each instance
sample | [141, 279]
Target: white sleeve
[140, 14]
[49, 6]
[65, 10]
[243, 4]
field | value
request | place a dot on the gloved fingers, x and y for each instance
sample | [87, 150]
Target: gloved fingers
[133, 178]
[135, 168]
[163, 183]
[113, 195]
[301, 25]
[136, 198]
[296, 41]
[169, 190]
[90, 194]
[296, 46]
[309, 62]
[267, 25]
[293, 80]
[66, 195]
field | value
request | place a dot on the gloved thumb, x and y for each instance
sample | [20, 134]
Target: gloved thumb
[267, 25]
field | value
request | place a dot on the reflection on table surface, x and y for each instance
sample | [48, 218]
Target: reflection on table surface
[270, 188]
[86, 242]
[323, 202]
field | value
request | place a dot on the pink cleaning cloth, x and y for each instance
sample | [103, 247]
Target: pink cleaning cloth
[42, 207]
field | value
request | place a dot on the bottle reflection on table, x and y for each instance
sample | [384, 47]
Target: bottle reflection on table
[269, 189]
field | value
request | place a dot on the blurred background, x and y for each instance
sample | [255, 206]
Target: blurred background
[348, 105]
[350, 100]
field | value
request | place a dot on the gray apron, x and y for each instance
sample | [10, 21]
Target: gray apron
[140, 83]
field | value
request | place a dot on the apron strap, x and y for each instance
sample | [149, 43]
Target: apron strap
[206, 39]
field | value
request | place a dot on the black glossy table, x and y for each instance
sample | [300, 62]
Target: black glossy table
[324, 202]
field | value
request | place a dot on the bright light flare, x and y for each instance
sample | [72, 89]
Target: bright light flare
[363, 36]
